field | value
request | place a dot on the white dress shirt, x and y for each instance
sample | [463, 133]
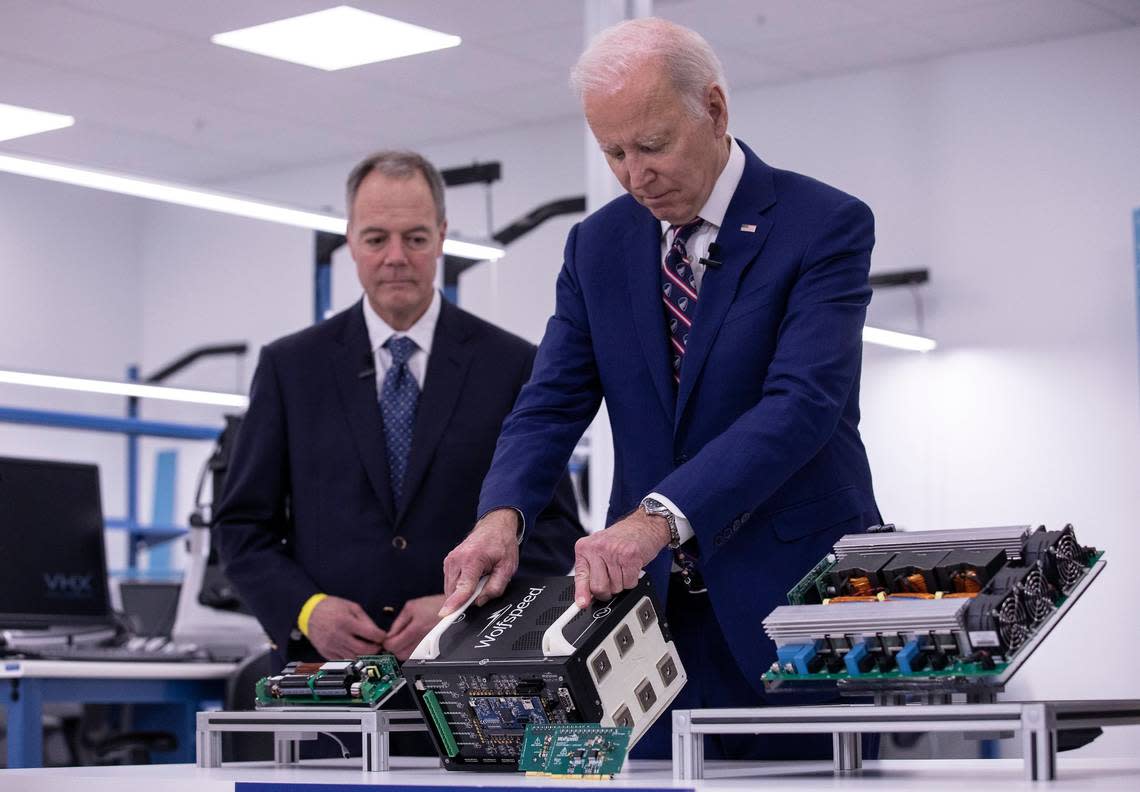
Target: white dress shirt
[421, 332]
[698, 247]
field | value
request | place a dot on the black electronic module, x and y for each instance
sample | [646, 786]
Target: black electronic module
[531, 657]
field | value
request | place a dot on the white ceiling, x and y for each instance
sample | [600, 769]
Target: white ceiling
[152, 96]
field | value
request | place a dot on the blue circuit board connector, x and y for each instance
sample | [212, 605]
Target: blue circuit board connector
[798, 655]
[909, 657]
[853, 658]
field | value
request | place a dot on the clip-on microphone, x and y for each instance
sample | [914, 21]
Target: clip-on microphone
[712, 260]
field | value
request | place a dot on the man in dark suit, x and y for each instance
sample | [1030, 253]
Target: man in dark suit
[359, 462]
[718, 309]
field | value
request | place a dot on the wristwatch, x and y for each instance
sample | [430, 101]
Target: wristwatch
[655, 508]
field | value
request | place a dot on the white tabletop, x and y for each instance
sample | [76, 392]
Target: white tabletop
[1104, 775]
[84, 669]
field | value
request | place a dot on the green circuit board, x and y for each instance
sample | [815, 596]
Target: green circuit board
[367, 681]
[574, 750]
[808, 589]
[994, 665]
[954, 669]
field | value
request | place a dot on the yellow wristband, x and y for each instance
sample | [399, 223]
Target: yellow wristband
[307, 611]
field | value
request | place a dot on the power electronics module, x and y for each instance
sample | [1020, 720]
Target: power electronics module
[533, 657]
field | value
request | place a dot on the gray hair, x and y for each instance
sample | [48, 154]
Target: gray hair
[615, 52]
[397, 165]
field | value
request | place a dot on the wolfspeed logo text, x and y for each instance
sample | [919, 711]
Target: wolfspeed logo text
[504, 618]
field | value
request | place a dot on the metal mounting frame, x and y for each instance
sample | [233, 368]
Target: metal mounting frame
[1038, 722]
[290, 727]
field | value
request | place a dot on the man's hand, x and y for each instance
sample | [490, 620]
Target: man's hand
[610, 561]
[412, 623]
[340, 629]
[491, 547]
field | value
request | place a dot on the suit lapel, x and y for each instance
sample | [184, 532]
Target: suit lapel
[447, 367]
[643, 256]
[740, 247]
[353, 370]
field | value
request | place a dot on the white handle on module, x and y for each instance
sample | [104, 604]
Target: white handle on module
[554, 643]
[428, 648]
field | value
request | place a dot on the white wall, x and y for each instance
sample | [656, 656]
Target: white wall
[213, 279]
[541, 163]
[69, 304]
[1011, 174]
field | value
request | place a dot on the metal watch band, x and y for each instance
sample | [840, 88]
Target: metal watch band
[656, 508]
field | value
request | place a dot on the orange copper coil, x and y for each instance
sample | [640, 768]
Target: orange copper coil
[915, 583]
[966, 582]
[853, 599]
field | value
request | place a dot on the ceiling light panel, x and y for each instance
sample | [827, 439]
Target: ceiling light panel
[18, 121]
[112, 388]
[213, 201]
[895, 340]
[336, 38]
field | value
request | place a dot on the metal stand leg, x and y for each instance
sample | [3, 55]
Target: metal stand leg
[286, 749]
[680, 746]
[1038, 743]
[847, 752]
[209, 748]
[688, 749]
[375, 752]
[201, 739]
[697, 756]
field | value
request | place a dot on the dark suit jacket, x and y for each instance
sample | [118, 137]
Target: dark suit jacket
[308, 506]
[759, 445]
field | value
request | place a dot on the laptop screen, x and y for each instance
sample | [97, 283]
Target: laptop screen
[53, 569]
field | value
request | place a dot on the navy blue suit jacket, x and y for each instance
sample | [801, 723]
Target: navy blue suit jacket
[759, 445]
[308, 506]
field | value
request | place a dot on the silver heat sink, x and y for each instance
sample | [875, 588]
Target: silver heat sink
[792, 624]
[1008, 538]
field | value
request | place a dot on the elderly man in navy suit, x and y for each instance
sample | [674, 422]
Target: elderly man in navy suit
[718, 308]
[359, 462]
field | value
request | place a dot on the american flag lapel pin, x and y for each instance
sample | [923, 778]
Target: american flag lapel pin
[748, 228]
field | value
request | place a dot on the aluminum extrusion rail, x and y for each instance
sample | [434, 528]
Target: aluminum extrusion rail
[1038, 722]
[290, 726]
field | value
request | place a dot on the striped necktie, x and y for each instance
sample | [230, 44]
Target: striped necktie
[679, 292]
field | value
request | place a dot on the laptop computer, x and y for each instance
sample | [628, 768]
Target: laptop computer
[54, 599]
[51, 546]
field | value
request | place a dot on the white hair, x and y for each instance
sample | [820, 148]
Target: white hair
[618, 50]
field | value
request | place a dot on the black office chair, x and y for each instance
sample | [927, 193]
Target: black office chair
[95, 737]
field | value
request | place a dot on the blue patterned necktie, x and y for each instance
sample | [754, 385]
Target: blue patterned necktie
[679, 293]
[398, 398]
